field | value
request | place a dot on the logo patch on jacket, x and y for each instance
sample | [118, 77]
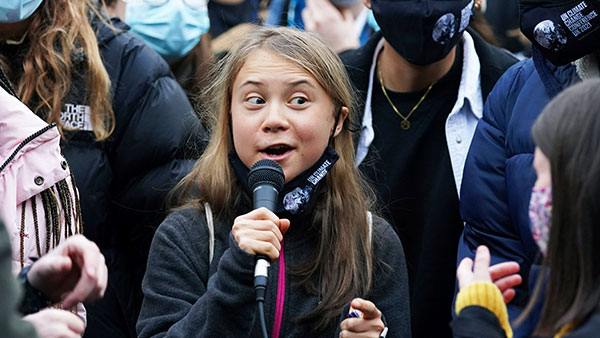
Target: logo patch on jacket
[76, 116]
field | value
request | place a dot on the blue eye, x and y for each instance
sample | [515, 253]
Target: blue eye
[299, 100]
[256, 100]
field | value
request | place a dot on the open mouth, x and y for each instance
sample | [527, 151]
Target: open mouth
[277, 150]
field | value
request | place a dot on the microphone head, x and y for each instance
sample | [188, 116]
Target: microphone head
[266, 171]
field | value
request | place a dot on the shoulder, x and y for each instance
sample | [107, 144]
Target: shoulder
[385, 240]
[184, 228]
[514, 81]
[492, 57]
[358, 62]
[126, 56]
[494, 61]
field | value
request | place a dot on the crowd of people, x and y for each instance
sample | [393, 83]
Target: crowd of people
[437, 160]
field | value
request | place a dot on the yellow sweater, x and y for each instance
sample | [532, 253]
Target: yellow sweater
[487, 295]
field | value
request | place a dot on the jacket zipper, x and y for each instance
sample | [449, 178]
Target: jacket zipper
[24, 143]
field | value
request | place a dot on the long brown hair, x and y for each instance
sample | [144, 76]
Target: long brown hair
[60, 28]
[340, 267]
[568, 133]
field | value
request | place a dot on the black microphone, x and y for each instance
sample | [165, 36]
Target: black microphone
[266, 180]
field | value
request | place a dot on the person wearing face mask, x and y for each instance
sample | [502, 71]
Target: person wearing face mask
[423, 80]
[342, 24]
[175, 29]
[494, 200]
[563, 211]
[126, 129]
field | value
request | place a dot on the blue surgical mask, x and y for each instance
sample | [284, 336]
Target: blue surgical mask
[172, 27]
[17, 10]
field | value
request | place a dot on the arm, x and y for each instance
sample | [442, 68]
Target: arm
[487, 192]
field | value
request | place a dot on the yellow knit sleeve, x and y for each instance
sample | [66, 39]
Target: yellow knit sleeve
[487, 295]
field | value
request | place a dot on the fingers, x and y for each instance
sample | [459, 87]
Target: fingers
[481, 265]
[260, 232]
[464, 272]
[48, 267]
[508, 295]
[347, 15]
[503, 269]
[56, 323]
[368, 309]
[508, 282]
[284, 225]
[308, 16]
[92, 279]
[370, 325]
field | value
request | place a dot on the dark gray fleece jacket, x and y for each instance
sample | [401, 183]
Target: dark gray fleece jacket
[185, 296]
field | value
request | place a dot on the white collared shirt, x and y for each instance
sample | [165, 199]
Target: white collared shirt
[461, 122]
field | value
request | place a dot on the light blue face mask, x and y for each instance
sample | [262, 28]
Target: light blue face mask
[17, 10]
[172, 27]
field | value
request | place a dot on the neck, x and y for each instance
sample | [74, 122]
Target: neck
[16, 30]
[402, 76]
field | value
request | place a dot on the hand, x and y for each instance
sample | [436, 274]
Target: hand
[54, 323]
[370, 325]
[260, 232]
[72, 272]
[335, 27]
[503, 275]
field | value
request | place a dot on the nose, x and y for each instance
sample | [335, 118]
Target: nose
[275, 119]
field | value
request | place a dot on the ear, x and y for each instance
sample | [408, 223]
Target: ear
[343, 115]
[367, 3]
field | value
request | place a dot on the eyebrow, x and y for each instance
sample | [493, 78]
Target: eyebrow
[291, 84]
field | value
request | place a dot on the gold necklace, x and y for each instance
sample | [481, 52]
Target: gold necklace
[405, 124]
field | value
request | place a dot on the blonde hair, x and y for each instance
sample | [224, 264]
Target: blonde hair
[60, 28]
[340, 268]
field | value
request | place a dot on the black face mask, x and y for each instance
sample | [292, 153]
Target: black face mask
[563, 31]
[298, 196]
[422, 31]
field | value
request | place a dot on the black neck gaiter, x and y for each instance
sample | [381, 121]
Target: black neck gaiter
[299, 196]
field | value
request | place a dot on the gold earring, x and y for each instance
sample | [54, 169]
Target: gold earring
[477, 4]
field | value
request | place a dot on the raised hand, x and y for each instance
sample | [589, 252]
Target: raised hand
[335, 27]
[503, 275]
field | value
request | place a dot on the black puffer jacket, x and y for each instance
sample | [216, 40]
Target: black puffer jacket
[123, 182]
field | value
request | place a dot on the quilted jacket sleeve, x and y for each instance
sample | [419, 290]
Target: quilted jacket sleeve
[498, 177]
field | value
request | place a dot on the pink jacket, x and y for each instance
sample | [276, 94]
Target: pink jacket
[38, 201]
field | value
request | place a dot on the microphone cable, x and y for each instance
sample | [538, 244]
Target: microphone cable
[260, 286]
